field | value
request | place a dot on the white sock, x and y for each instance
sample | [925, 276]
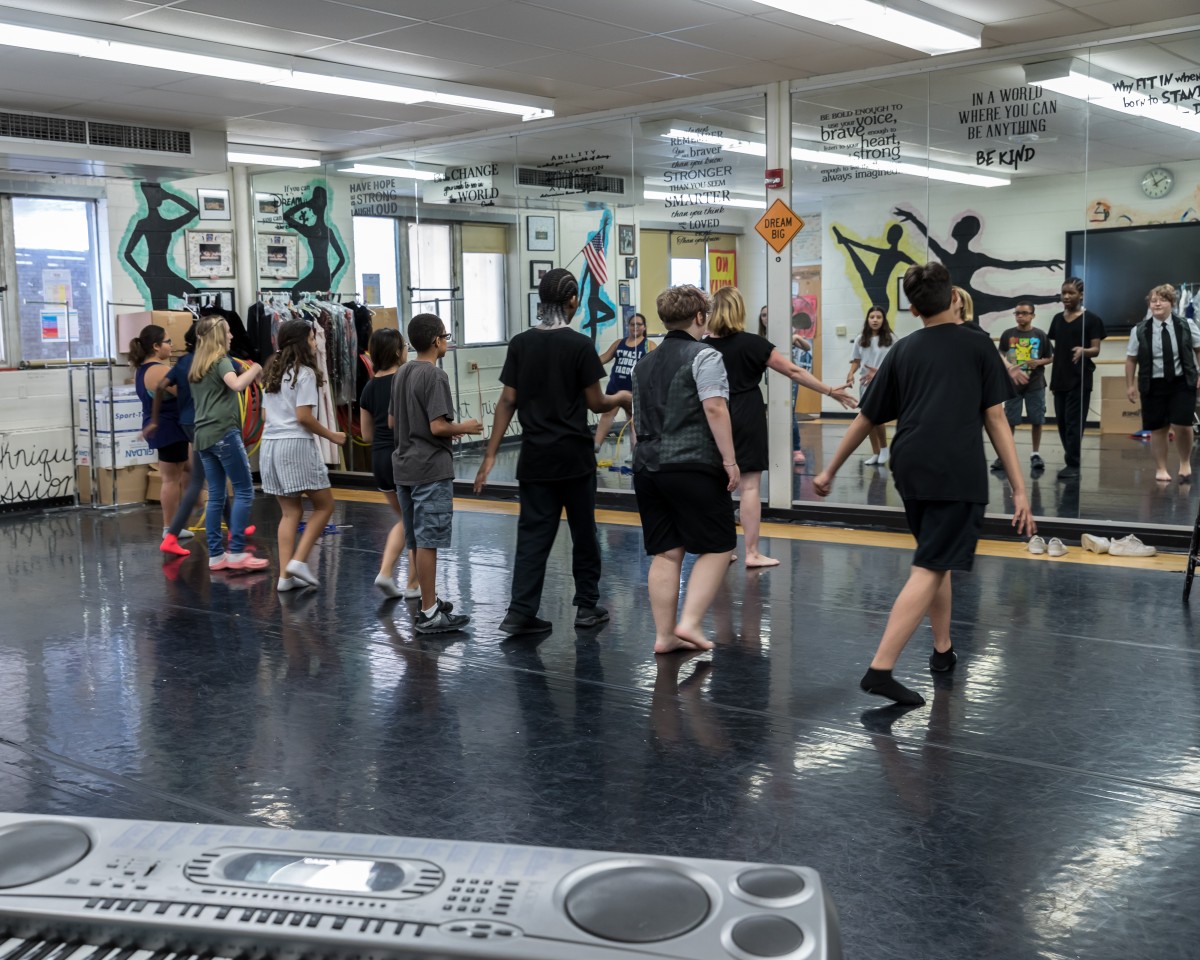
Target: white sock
[285, 584]
[389, 588]
[432, 610]
[235, 557]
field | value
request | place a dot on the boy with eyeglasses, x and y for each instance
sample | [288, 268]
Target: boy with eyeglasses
[1026, 350]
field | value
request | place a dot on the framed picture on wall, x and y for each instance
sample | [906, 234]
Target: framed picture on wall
[214, 204]
[539, 233]
[210, 254]
[268, 208]
[626, 242]
[631, 268]
[534, 301]
[623, 292]
[278, 256]
[902, 303]
[537, 270]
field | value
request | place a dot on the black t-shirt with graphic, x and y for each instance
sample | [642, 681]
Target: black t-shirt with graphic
[936, 383]
[1021, 346]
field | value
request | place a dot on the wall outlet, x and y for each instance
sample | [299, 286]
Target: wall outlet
[472, 367]
[839, 331]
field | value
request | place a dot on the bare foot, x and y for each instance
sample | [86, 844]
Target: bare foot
[683, 639]
[733, 558]
[1185, 477]
[1162, 475]
[754, 560]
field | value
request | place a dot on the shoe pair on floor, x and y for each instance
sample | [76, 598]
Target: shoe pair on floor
[1129, 546]
[879, 459]
[518, 624]
[1035, 462]
[1055, 547]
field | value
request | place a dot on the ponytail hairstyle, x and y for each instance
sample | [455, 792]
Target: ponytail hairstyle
[885, 334]
[555, 291]
[212, 343]
[294, 351]
[141, 347]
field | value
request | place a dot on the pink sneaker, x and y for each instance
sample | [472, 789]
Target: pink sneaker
[219, 563]
[246, 562]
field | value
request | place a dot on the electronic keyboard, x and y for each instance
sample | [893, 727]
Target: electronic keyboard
[78, 888]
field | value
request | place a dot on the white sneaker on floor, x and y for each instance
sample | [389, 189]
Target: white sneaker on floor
[1130, 546]
[872, 460]
[883, 456]
[1094, 544]
[1056, 548]
[1037, 545]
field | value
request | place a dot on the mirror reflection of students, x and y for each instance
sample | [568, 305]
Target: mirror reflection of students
[1076, 333]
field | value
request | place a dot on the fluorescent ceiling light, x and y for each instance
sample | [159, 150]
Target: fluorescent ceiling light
[379, 170]
[251, 157]
[831, 159]
[140, 48]
[702, 196]
[1081, 81]
[349, 87]
[909, 23]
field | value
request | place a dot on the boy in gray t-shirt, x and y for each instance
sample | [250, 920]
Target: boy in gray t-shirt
[421, 413]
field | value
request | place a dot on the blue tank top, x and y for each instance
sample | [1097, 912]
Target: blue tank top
[168, 431]
[624, 361]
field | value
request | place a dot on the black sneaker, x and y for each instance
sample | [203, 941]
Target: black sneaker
[997, 464]
[941, 662]
[517, 623]
[590, 617]
[1068, 473]
[440, 622]
[1036, 462]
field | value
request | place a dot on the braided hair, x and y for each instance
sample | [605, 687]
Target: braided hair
[555, 292]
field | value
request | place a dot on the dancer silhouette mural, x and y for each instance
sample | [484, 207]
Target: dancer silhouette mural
[876, 279]
[963, 263]
[151, 237]
[598, 308]
[310, 219]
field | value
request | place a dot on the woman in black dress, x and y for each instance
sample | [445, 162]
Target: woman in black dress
[747, 357]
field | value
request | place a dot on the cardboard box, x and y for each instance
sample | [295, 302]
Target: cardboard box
[121, 411]
[124, 485]
[388, 317]
[175, 322]
[129, 449]
[1117, 414]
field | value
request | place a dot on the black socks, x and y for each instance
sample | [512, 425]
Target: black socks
[880, 683]
[941, 662]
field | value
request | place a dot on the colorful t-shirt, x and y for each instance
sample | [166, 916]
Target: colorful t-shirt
[1020, 347]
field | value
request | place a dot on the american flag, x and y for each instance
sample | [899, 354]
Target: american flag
[593, 253]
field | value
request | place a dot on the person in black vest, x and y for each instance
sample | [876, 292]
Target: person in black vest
[551, 378]
[1164, 353]
[684, 468]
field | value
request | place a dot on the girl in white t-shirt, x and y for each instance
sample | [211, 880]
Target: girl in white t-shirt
[870, 348]
[290, 463]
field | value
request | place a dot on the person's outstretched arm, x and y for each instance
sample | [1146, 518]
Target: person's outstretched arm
[996, 425]
[781, 364]
[506, 406]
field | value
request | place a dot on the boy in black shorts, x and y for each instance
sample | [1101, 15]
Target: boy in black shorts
[684, 468]
[941, 384]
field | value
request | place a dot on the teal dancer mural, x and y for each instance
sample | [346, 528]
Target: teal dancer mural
[146, 246]
[599, 311]
[310, 219]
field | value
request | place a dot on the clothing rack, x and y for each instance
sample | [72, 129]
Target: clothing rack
[223, 298]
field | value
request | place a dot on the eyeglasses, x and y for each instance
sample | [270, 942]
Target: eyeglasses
[168, 340]
[1023, 313]
[447, 337]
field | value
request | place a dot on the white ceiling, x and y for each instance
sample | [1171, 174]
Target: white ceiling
[587, 54]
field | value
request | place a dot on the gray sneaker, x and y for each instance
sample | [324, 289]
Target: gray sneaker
[1056, 548]
[440, 622]
[1130, 546]
[1037, 545]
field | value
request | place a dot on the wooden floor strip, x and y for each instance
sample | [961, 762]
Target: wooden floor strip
[1010, 549]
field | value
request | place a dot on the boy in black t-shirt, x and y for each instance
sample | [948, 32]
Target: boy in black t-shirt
[941, 384]
[551, 379]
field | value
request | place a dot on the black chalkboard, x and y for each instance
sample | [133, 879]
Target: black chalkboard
[1121, 264]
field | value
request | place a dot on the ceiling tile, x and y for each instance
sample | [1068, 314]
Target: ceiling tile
[434, 40]
[423, 9]
[545, 27]
[658, 16]
[318, 17]
[667, 55]
[1062, 23]
[1118, 13]
[588, 70]
[103, 10]
[181, 23]
[380, 58]
[751, 38]
[327, 119]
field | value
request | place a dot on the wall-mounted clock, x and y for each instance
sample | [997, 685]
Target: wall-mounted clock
[1157, 182]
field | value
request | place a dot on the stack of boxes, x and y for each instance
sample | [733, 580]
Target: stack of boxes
[108, 434]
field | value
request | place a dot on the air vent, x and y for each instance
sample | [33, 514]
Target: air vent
[569, 181]
[24, 126]
[97, 133]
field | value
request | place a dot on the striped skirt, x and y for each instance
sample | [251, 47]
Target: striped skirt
[291, 466]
